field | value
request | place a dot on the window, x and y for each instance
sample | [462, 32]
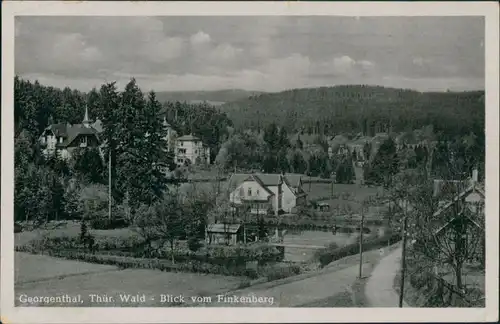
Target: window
[249, 191]
[257, 192]
[60, 139]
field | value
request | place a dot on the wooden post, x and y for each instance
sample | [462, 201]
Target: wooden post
[403, 259]
[109, 186]
[361, 241]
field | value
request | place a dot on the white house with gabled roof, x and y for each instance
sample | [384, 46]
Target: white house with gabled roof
[267, 193]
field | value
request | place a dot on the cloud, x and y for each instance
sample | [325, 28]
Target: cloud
[164, 50]
[343, 64]
[200, 38]
[225, 52]
[419, 61]
[254, 52]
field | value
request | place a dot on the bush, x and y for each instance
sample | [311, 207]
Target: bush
[106, 224]
[244, 284]
[17, 228]
[276, 273]
[329, 255]
[194, 244]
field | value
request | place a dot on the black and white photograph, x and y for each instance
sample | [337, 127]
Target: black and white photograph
[231, 159]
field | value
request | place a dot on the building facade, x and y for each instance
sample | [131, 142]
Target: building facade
[63, 139]
[189, 150]
[267, 193]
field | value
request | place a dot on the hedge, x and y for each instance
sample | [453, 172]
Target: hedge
[105, 224]
[271, 272]
[328, 255]
[134, 246]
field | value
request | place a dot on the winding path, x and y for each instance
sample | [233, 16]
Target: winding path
[379, 289]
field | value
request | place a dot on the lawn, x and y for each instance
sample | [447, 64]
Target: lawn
[71, 228]
[321, 190]
[131, 281]
[29, 268]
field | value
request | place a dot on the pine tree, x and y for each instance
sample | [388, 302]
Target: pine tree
[384, 165]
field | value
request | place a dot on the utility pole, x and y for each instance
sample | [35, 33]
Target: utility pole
[403, 256]
[361, 228]
[109, 185]
[331, 190]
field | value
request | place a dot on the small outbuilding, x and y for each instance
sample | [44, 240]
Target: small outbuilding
[224, 234]
[323, 206]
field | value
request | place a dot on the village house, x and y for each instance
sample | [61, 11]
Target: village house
[462, 207]
[171, 135]
[267, 193]
[190, 150]
[337, 146]
[224, 234]
[357, 148]
[63, 139]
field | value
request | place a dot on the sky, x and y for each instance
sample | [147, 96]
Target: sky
[260, 53]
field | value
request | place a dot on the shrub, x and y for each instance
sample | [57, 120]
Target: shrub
[244, 284]
[329, 255]
[106, 224]
[17, 228]
[194, 244]
[280, 272]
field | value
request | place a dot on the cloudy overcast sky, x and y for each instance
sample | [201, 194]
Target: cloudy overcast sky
[270, 53]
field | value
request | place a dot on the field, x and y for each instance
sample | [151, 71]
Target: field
[317, 238]
[31, 268]
[70, 228]
[68, 277]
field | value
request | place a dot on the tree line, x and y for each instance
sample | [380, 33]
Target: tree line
[50, 188]
[359, 108]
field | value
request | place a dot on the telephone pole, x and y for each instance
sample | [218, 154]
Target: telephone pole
[361, 229]
[403, 256]
[109, 186]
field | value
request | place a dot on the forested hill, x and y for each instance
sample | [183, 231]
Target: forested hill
[360, 108]
[213, 97]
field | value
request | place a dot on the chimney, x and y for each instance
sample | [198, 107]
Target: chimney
[475, 175]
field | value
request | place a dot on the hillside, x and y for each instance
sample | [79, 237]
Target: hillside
[360, 108]
[213, 97]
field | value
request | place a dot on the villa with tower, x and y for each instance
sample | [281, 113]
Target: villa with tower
[63, 139]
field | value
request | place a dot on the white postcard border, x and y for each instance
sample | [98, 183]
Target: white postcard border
[11, 314]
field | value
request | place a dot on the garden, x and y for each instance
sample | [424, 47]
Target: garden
[257, 260]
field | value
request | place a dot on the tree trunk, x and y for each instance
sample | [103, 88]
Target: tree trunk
[458, 277]
[172, 251]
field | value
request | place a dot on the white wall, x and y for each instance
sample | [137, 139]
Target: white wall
[277, 201]
[193, 151]
[256, 188]
[288, 199]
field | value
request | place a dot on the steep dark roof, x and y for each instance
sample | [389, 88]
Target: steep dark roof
[59, 129]
[70, 132]
[223, 228]
[266, 180]
[189, 137]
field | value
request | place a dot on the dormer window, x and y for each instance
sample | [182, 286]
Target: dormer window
[60, 139]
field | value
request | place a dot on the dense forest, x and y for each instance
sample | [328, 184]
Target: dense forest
[358, 108]
[54, 189]
[51, 188]
[218, 96]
